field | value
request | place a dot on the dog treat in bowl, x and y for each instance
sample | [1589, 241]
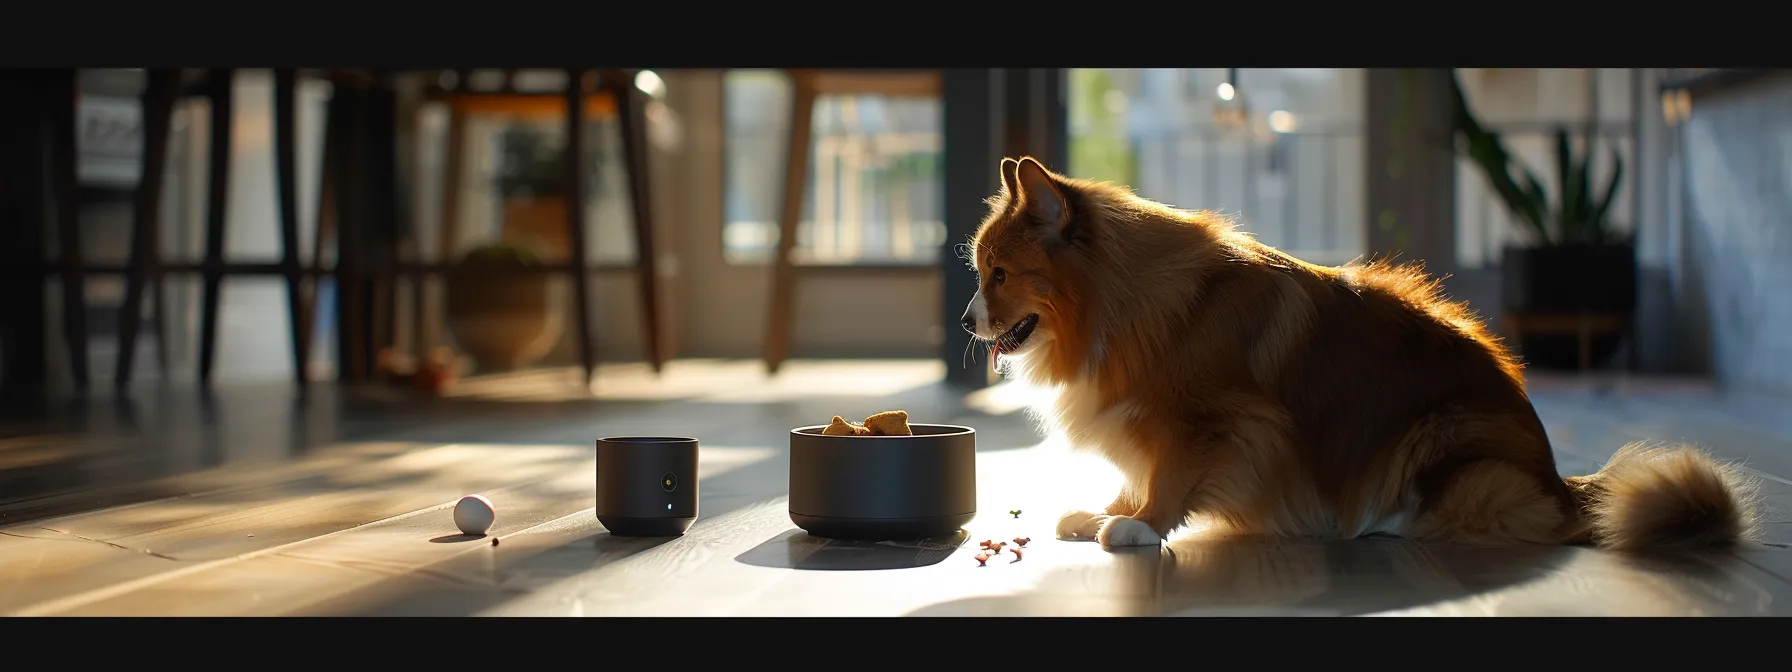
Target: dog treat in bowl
[889, 423]
[840, 427]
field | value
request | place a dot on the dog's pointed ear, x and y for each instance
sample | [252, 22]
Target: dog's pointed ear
[1010, 185]
[1040, 193]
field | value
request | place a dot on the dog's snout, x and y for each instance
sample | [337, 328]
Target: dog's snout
[973, 314]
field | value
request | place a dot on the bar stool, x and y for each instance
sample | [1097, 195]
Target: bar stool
[619, 97]
[806, 86]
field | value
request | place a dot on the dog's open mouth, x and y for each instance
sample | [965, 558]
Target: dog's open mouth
[1016, 336]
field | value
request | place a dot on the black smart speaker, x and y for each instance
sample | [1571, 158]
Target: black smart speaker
[647, 485]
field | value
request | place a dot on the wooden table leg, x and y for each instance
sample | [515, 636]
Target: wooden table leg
[63, 108]
[796, 179]
[216, 202]
[158, 312]
[286, 162]
[351, 233]
[631, 117]
[158, 110]
[575, 217]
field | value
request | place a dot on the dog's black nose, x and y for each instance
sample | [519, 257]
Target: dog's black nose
[969, 323]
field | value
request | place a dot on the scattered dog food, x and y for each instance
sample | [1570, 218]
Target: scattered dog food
[982, 559]
[1016, 552]
[1022, 541]
[494, 541]
[998, 546]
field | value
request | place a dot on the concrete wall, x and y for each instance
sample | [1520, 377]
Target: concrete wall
[1731, 283]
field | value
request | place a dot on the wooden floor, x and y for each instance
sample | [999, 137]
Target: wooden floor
[254, 505]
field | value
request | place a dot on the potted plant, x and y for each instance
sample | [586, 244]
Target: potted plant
[502, 321]
[1575, 262]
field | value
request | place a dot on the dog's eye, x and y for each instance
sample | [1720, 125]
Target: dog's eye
[1000, 276]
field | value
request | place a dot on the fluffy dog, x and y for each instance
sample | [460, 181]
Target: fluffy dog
[1268, 395]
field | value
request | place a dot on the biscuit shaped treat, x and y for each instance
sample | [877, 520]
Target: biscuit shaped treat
[889, 423]
[840, 427]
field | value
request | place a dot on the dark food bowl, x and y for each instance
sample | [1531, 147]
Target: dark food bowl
[881, 488]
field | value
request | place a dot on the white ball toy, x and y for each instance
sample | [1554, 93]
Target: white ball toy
[474, 514]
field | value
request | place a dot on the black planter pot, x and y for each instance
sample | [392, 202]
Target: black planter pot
[1568, 280]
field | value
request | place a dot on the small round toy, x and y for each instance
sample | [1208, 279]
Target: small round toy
[474, 514]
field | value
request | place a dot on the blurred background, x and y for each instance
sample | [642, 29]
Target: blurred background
[1328, 164]
[265, 306]
[421, 235]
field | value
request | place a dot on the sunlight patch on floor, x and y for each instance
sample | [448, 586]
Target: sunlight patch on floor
[1003, 398]
[709, 380]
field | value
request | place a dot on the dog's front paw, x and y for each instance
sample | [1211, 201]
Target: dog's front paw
[1122, 531]
[1080, 525]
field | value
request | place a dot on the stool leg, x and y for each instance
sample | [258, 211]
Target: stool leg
[158, 109]
[575, 217]
[216, 201]
[631, 119]
[286, 83]
[796, 180]
[68, 224]
[158, 313]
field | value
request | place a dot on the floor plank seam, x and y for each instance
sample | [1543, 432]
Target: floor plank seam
[75, 537]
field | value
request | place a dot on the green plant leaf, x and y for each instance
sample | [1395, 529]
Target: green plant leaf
[1597, 220]
[1539, 206]
[1567, 215]
[1488, 151]
[1585, 201]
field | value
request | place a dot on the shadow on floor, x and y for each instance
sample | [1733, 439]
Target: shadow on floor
[520, 566]
[796, 549]
[456, 538]
[119, 451]
[1279, 577]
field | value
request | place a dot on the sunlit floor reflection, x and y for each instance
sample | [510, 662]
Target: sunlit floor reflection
[709, 380]
[362, 527]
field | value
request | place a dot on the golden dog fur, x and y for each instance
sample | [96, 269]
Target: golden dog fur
[1267, 395]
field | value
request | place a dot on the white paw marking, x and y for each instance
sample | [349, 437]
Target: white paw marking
[1080, 525]
[1123, 531]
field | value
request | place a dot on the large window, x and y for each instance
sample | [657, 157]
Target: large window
[1281, 149]
[875, 182]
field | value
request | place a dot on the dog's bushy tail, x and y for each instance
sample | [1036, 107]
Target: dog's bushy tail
[1667, 497]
